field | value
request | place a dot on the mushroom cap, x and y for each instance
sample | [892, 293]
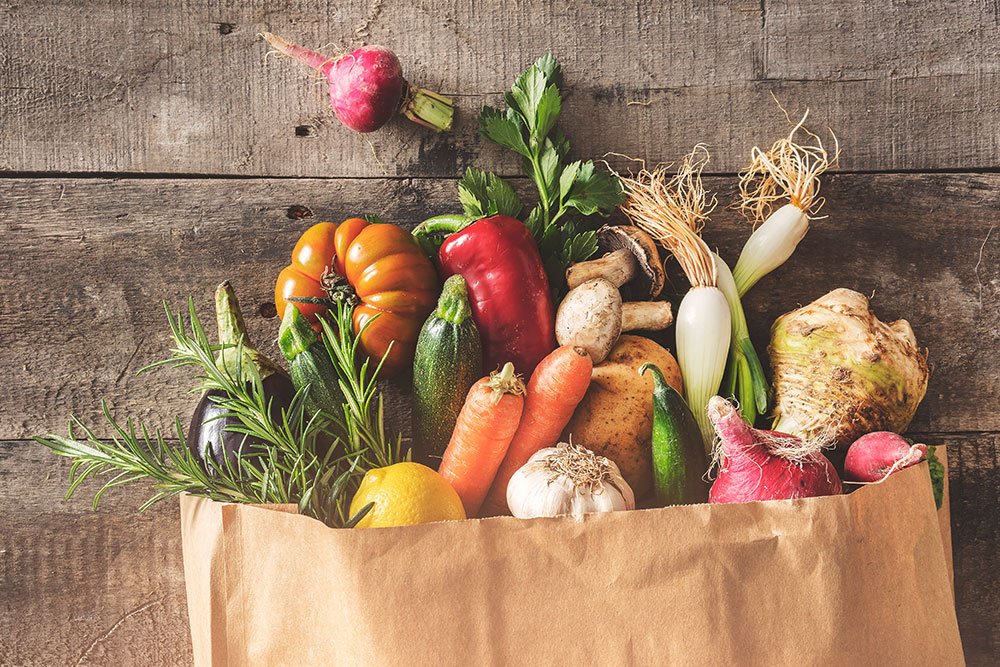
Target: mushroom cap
[649, 279]
[590, 316]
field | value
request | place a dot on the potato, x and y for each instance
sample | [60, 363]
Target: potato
[615, 417]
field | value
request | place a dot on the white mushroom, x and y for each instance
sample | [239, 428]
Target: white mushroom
[592, 316]
[631, 262]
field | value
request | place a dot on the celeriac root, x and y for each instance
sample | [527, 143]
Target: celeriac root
[787, 170]
[673, 210]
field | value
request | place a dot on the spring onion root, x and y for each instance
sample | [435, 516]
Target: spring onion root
[672, 210]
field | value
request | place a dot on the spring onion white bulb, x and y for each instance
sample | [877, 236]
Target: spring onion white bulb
[770, 246]
[703, 329]
[672, 210]
[788, 170]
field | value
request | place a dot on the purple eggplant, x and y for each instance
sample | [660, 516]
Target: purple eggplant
[208, 435]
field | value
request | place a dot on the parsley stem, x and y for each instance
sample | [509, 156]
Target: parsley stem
[543, 195]
[559, 214]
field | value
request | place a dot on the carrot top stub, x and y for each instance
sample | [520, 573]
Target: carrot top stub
[505, 381]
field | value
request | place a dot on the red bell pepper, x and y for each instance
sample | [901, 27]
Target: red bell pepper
[508, 290]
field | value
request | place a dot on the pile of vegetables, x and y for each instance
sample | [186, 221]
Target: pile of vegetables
[249, 442]
[529, 338]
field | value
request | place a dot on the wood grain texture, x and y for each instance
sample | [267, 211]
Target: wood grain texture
[89, 262]
[79, 587]
[164, 87]
[975, 521]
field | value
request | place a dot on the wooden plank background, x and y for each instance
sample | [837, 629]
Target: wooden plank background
[143, 155]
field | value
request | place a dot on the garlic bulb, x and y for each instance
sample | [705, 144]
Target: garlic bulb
[567, 479]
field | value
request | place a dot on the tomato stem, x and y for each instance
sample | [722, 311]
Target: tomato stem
[337, 288]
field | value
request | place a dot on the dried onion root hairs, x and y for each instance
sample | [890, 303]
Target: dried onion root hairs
[673, 210]
[789, 169]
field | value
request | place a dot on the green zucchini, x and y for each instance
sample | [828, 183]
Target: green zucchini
[679, 460]
[309, 364]
[448, 361]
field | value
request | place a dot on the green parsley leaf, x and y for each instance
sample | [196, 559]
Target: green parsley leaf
[567, 179]
[560, 142]
[527, 93]
[594, 191]
[501, 128]
[548, 164]
[578, 247]
[549, 107]
[567, 193]
[548, 66]
[482, 194]
[534, 222]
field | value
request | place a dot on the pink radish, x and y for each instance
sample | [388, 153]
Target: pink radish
[873, 457]
[765, 465]
[367, 87]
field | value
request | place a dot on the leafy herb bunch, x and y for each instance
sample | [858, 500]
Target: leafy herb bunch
[313, 460]
[568, 192]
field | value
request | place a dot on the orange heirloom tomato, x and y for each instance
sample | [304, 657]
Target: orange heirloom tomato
[386, 269]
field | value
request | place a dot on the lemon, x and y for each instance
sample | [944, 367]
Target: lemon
[406, 494]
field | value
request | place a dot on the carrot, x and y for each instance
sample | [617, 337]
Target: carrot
[556, 387]
[483, 431]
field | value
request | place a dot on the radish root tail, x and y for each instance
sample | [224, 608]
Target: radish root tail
[313, 59]
[673, 210]
[789, 169]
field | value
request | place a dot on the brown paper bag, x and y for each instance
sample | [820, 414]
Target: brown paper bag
[855, 579]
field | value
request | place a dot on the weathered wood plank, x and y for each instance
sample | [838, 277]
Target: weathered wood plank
[79, 587]
[975, 508]
[88, 262]
[106, 588]
[169, 87]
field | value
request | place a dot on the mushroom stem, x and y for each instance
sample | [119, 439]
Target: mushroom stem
[646, 316]
[616, 267]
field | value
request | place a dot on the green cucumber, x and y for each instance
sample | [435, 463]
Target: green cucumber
[448, 361]
[679, 460]
[309, 364]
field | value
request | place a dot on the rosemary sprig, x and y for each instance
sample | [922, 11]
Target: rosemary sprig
[291, 468]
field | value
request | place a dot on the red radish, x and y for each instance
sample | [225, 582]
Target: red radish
[765, 465]
[367, 87]
[873, 457]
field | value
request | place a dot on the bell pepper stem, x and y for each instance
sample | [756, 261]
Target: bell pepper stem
[448, 223]
[428, 231]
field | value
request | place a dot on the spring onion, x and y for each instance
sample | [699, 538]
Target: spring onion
[788, 170]
[744, 379]
[672, 210]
